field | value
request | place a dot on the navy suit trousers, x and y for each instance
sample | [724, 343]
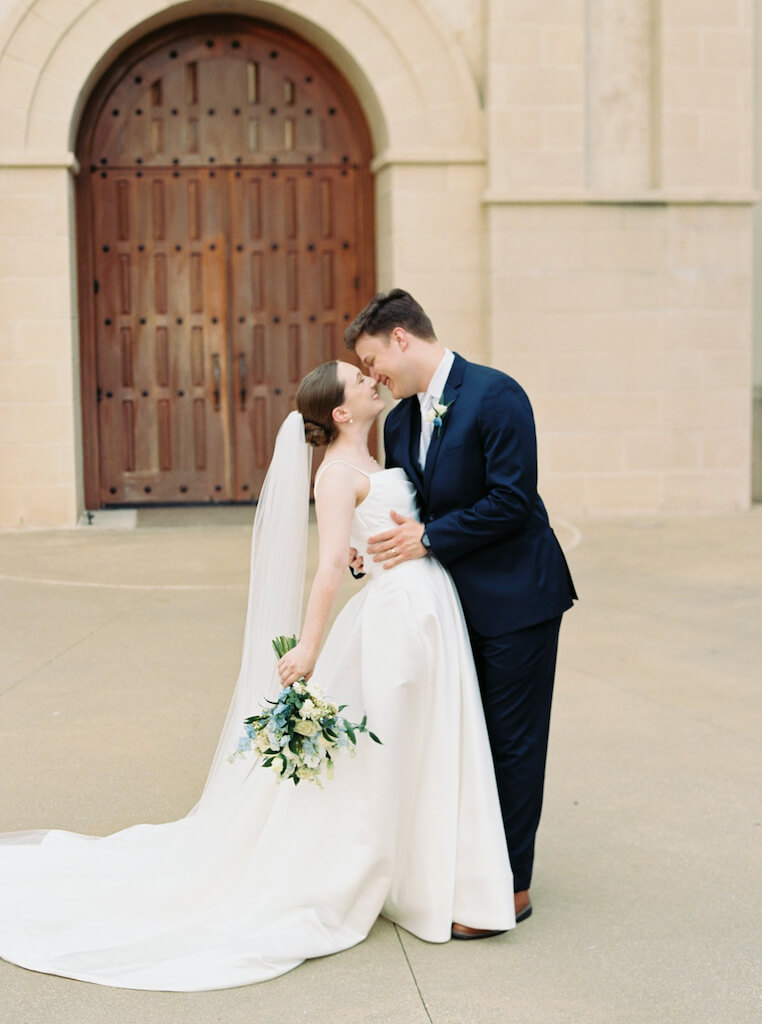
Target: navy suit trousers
[516, 672]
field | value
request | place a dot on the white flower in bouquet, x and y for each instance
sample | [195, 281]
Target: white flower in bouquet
[300, 734]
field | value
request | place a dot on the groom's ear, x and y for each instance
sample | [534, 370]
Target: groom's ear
[400, 338]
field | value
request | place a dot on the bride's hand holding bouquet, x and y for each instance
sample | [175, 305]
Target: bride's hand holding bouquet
[297, 663]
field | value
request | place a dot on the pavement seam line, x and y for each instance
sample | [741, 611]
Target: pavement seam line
[412, 974]
[121, 586]
[655, 701]
[58, 654]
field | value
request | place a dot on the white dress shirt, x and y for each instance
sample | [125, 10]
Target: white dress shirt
[428, 398]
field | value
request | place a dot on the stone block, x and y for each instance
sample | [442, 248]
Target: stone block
[515, 45]
[565, 494]
[725, 251]
[54, 426]
[709, 491]
[563, 129]
[35, 465]
[727, 48]
[40, 340]
[33, 39]
[45, 296]
[681, 47]
[680, 370]
[529, 369]
[536, 86]
[726, 291]
[583, 452]
[31, 382]
[536, 170]
[702, 13]
[11, 507]
[542, 12]
[724, 130]
[695, 330]
[635, 249]
[17, 81]
[558, 413]
[726, 369]
[34, 256]
[624, 493]
[586, 373]
[586, 291]
[721, 449]
[516, 128]
[703, 88]
[622, 412]
[521, 292]
[716, 410]
[662, 451]
[563, 45]
[682, 129]
[12, 129]
[60, 13]
[49, 506]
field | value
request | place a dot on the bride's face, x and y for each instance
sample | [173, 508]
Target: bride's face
[361, 398]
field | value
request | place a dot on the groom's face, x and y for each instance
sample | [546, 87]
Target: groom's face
[387, 359]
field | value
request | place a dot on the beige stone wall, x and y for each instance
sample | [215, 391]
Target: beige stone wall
[629, 327]
[565, 184]
[756, 477]
[620, 239]
[39, 368]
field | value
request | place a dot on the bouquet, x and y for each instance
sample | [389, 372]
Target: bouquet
[299, 736]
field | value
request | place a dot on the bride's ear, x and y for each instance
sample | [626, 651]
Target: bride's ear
[341, 415]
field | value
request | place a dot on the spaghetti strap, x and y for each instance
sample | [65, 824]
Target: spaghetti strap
[333, 462]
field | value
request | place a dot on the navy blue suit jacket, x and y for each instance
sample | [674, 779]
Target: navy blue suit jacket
[478, 496]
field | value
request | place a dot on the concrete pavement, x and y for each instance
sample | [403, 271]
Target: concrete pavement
[118, 650]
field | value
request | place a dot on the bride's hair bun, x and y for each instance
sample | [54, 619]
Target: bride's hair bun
[317, 435]
[318, 395]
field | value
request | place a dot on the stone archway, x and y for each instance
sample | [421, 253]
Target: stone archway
[422, 107]
[225, 216]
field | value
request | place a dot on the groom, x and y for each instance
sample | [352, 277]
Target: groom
[465, 436]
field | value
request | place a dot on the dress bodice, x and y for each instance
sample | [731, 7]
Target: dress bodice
[389, 489]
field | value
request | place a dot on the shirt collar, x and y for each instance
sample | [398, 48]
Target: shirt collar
[437, 383]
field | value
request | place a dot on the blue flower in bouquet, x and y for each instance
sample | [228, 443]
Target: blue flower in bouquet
[298, 737]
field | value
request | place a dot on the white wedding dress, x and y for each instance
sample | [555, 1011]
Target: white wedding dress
[260, 876]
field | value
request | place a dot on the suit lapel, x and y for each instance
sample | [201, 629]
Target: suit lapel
[409, 434]
[439, 436]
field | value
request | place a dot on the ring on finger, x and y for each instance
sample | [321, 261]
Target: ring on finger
[393, 551]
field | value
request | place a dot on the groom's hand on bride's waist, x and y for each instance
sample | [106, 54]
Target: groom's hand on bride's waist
[398, 545]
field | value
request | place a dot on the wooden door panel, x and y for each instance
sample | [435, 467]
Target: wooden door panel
[164, 411]
[294, 284]
[226, 221]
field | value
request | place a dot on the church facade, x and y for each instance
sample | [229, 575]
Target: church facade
[196, 197]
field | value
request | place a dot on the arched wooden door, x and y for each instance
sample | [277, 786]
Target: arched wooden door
[225, 238]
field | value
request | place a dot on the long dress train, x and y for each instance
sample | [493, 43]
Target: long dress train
[249, 885]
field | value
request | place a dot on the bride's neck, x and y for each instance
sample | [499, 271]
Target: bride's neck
[352, 440]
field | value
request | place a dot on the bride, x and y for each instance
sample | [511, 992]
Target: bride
[259, 876]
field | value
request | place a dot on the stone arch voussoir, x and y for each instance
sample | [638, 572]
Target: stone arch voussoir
[407, 71]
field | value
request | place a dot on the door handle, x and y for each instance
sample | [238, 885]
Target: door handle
[242, 375]
[216, 377]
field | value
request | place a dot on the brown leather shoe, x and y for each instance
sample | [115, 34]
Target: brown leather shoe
[524, 914]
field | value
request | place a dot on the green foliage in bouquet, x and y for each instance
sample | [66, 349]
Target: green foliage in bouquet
[299, 736]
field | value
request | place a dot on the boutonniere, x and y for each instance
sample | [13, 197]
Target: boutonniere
[437, 414]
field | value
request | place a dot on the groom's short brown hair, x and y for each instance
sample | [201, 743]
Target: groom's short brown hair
[388, 310]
